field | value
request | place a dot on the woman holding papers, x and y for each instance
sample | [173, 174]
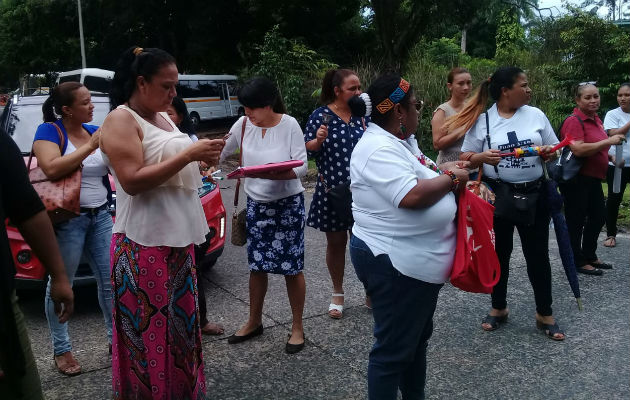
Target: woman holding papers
[275, 203]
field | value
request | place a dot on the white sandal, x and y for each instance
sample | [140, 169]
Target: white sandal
[336, 307]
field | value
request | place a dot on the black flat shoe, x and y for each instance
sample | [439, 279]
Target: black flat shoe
[584, 271]
[238, 339]
[602, 265]
[294, 348]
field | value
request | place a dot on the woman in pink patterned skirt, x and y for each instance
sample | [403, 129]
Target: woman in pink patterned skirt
[156, 339]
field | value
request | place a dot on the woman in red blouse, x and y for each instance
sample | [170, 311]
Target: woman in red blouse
[583, 197]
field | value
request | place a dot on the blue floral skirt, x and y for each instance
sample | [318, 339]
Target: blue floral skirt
[275, 235]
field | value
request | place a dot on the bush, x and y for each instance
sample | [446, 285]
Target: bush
[296, 69]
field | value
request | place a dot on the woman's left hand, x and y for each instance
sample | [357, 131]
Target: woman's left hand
[546, 153]
[450, 165]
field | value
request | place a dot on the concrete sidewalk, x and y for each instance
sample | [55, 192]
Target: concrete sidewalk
[464, 362]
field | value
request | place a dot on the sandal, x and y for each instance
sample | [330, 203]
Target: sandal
[67, 364]
[493, 321]
[551, 330]
[610, 241]
[212, 329]
[602, 265]
[335, 311]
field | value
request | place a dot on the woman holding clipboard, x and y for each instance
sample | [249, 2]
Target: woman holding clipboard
[275, 203]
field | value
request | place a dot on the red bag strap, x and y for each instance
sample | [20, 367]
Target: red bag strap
[62, 141]
[240, 164]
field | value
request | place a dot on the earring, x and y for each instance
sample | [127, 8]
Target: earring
[70, 116]
[402, 128]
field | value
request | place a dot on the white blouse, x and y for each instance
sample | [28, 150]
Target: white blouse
[171, 213]
[282, 142]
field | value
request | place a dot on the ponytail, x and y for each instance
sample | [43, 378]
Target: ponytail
[61, 95]
[135, 62]
[504, 77]
[472, 109]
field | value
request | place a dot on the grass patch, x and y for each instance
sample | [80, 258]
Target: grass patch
[624, 209]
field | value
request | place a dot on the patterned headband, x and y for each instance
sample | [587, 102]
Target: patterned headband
[394, 98]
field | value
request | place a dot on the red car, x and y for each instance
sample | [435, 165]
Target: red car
[20, 119]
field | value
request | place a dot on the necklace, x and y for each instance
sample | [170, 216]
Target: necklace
[427, 162]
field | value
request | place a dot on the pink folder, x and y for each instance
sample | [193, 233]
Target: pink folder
[244, 172]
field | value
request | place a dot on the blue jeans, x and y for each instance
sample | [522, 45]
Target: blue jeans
[403, 309]
[88, 238]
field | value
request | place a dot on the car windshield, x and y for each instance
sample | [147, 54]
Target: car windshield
[21, 119]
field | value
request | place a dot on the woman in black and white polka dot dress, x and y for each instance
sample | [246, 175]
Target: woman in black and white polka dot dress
[331, 145]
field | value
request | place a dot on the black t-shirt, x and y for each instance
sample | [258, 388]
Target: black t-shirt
[18, 202]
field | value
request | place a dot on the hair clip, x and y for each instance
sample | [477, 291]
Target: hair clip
[368, 103]
[137, 51]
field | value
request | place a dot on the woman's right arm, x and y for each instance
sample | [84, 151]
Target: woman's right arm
[442, 139]
[56, 166]
[574, 128]
[122, 143]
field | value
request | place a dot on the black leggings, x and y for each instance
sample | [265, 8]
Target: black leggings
[614, 199]
[535, 243]
[584, 209]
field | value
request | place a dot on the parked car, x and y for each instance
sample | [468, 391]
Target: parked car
[20, 119]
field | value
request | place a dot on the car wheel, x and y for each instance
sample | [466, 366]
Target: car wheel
[194, 117]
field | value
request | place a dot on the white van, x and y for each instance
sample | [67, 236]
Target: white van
[209, 96]
[95, 79]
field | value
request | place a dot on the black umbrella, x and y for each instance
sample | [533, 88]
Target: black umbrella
[554, 200]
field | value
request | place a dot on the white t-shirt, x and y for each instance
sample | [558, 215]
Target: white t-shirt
[282, 142]
[527, 127]
[93, 193]
[419, 242]
[616, 119]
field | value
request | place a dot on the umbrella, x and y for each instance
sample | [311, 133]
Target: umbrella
[618, 166]
[554, 200]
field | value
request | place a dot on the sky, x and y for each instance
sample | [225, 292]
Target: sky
[560, 9]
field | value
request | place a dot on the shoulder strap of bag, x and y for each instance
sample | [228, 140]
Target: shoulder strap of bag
[565, 120]
[496, 169]
[240, 164]
[62, 141]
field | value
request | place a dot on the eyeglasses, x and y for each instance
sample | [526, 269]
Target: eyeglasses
[587, 83]
[419, 105]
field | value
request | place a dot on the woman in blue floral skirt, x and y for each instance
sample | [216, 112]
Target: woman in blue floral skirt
[275, 204]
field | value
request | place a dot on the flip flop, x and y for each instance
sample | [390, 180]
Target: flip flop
[68, 366]
[610, 241]
[493, 321]
[212, 329]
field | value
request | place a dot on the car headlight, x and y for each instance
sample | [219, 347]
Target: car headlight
[23, 256]
[222, 227]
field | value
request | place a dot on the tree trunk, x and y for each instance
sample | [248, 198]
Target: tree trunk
[463, 42]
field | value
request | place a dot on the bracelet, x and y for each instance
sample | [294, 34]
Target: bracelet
[453, 177]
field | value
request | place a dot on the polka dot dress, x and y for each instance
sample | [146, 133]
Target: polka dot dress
[333, 164]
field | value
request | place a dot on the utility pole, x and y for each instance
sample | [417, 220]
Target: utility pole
[81, 35]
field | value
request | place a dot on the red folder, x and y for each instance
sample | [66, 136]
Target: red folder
[244, 172]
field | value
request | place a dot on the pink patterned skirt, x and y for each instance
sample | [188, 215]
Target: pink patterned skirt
[156, 346]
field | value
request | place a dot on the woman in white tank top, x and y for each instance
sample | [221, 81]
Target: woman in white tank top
[159, 218]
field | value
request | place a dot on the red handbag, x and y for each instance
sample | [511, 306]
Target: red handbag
[476, 266]
[60, 197]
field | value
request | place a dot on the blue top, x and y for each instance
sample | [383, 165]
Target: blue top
[48, 132]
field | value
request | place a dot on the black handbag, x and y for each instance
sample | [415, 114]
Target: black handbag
[515, 202]
[340, 199]
[567, 166]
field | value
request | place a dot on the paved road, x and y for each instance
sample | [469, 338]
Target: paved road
[515, 362]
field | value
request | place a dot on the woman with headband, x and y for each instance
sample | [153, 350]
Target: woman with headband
[404, 211]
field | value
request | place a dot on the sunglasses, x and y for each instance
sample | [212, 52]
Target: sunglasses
[587, 83]
[419, 105]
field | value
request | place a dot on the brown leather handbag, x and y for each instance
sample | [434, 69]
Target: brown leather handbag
[239, 231]
[60, 197]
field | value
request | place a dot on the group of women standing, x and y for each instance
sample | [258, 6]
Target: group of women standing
[403, 209]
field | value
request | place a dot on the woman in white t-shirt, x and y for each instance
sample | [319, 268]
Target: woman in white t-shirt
[62, 144]
[403, 237]
[617, 122]
[275, 204]
[518, 184]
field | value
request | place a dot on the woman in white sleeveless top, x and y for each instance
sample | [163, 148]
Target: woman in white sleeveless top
[459, 84]
[159, 218]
